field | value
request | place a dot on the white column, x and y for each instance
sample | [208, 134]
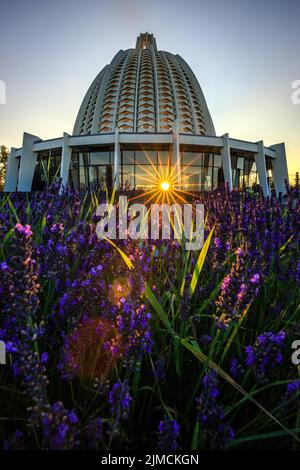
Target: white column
[260, 160]
[176, 152]
[28, 162]
[226, 158]
[280, 169]
[117, 158]
[66, 152]
[12, 171]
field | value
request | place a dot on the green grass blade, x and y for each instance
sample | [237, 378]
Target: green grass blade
[260, 437]
[121, 252]
[194, 349]
[200, 263]
[159, 310]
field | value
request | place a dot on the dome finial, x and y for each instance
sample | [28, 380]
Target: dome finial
[145, 41]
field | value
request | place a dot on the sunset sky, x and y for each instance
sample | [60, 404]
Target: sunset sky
[245, 55]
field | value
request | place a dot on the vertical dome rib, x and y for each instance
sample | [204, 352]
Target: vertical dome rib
[195, 128]
[198, 98]
[110, 103]
[80, 123]
[184, 108]
[135, 117]
[125, 102]
[174, 92]
[99, 101]
[146, 106]
[155, 80]
[108, 70]
[125, 88]
[120, 85]
[144, 90]
[126, 93]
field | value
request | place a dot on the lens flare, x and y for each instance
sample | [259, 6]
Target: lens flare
[164, 181]
[119, 289]
[93, 349]
[165, 185]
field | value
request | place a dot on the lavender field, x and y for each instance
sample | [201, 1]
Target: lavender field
[145, 345]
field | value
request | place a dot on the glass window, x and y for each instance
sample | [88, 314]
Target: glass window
[128, 176]
[208, 179]
[208, 160]
[99, 158]
[83, 176]
[143, 179]
[83, 158]
[164, 157]
[191, 178]
[73, 172]
[145, 157]
[74, 160]
[218, 161]
[215, 177]
[242, 183]
[233, 162]
[54, 167]
[128, 157]
[102, 175]
[93, 179]
[192, 158]
[202, 175]
[252, 179]
[74, 177]
[247, 163]
[253, 167]
[236, 178]
[269, 164]
[240, 163]
[164, 172]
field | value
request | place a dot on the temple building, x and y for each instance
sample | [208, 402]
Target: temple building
[145, 113]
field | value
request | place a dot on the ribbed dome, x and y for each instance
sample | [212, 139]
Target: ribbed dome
[144, 90]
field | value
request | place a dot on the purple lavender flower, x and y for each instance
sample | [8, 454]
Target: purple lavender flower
[168, 435]
[236, 369]
[59, 428]
[119, 399]
[236, 294]
[204, 340]
[293, 387]
[15, 442]
[265, 355]
[19, 285]
[160, 369]
[215, 432]
[24, 230]
[289, 402]
[94, 433]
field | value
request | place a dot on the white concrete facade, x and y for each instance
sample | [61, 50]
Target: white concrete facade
[145, 97]
[21, 180]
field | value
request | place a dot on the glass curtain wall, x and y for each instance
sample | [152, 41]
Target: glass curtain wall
[47, 169]
[144, 168]
[244, 171]
[269, 167]
[90, 169]
[201, 171]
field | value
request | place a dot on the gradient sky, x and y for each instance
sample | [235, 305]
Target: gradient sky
[245, 54]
